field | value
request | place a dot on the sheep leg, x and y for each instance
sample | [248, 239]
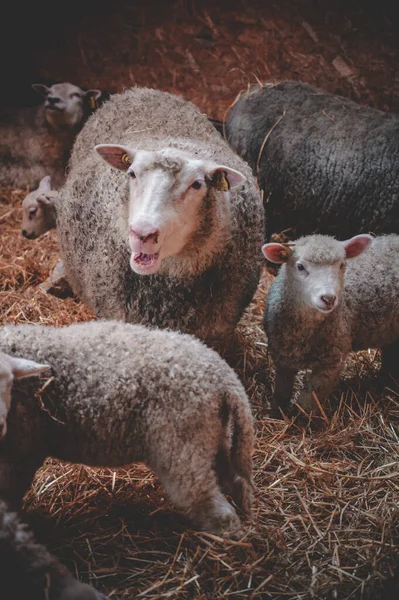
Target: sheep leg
[283, 389]
[390, 358]
[322, 382]
[232, 484]
[194, 489]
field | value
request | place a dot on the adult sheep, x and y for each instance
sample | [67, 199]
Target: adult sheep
[169, 232]
[325, 163]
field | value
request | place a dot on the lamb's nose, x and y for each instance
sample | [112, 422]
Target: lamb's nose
[145, 235]
[52, 100]
[328, 299]
[24, 233]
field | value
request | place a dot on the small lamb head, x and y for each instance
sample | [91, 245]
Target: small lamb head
[168, 190]
[315, 267]
[65, 104]
[13, 368]
[38, 215]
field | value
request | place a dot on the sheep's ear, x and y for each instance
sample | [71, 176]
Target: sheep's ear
[41, 89]
[223, 178]
[45, 184]
[96, 94]
[21, 367]
[356, 245]
[45, 200]
[276, 253]
[119, 157]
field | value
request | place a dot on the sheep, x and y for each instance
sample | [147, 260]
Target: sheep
[330, 297]
[38, 214]
[121, 393]
[37, 140]
[325, 164]
[26, 567]
[169, 234]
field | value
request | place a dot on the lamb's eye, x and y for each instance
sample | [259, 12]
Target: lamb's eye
[75, 95]
[32, 212]
[132, 174]
[196, 185]
[300, 267]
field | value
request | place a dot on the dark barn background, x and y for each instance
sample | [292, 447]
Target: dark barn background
[324, 528]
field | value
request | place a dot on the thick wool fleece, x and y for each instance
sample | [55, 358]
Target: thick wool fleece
[122, 393]
[329, 165]
[218, 270]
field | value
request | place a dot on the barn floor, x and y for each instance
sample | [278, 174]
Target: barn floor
[326, 515]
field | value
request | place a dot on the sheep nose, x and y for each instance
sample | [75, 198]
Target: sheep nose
[52, 100]
[24, 233]
[328, 299]
[145, 235]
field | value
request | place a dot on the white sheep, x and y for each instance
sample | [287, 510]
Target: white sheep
[38, 213]
[121, 393]
[169, 234]
[329, 298]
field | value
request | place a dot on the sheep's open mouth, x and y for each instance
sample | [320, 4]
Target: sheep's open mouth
[145, 260]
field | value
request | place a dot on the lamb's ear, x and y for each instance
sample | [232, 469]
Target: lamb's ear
[223, 178]
[45, 200]
[21, 367]
[119, 157]
[41, 89]
[96, 94]
[356, 245]
[276, 253]
[45, 184]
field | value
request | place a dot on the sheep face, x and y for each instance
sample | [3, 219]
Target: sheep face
[315, 267]
[38, 211]
[13, 368]
[65, 104]
[167, 190]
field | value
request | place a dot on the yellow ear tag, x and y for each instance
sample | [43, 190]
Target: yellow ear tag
[125, 159]
[93, 103]
[220, 181]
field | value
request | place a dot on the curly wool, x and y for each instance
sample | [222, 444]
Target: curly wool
[210, 282]
[121, 393]
[329, 165]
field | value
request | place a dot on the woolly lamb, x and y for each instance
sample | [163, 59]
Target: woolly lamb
[168, 236]
[36, 141]
[318, 309]
[121, 393]
[38, 214]
[326, 164]
[26, 567]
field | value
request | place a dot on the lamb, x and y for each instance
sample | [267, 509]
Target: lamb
[121, 393]
[27, 568]
[38, 214]
[326, 164]
[319, 308]
[37, 140]
[167, 236]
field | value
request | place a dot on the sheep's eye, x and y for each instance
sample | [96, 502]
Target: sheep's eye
[75, 95]
[132, 174]
[196, 185]
[300, 267]
[32, 212]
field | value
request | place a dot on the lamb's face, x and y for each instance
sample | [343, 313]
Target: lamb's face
[13, 368]
[65, 104]
[167, 191]
[315, 267]
[38, 211]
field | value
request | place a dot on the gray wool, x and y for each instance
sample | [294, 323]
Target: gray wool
[367, 315]
[328, 165]
[205, 289]
[121, 393]
[28, 570]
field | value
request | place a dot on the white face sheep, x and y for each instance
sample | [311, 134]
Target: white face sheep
[38, 215]
[170, 236]
[329, 298]
[66, 105]
[166, 190]
[123, 393]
